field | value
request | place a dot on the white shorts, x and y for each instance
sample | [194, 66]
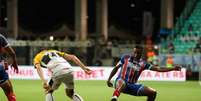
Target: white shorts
[67, 79]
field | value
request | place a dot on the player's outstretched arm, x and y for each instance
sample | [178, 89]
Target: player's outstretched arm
[165, 69]
[78, 62]
[113, 72]
[11, 52]
[41, 75]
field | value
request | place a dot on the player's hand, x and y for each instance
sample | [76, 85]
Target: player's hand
[87, 71]
[15, 67]
[109, 84]
[46, 86]
[177, 67]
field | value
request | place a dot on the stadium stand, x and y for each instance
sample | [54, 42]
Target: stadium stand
[187, 31]
[184, 41]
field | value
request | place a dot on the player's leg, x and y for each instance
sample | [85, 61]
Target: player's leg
[6, 84]
[8, 90]
[119, 87]
[74, 96]
[54, 84]
[69, 87]
[140, 90]
[49, 96]
[69, 93]
[149, 92]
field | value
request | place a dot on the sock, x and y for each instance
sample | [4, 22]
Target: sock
[77, 97]
[116, 93]
[114, 97]
[49, 97]
[11, 97]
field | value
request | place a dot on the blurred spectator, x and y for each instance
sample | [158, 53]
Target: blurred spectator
[183, 38]
[198, 46]
[101, 40]
[104, 51]
[187, 37]
[190, 27]
[189, 71]
[109, 49]
[163, 46]
[150, 55]
[66, 38]
[195, 37]
[169, 61]
[155, 60]
[149, 43]
[98, 62]
[171, 48]
[190, 51]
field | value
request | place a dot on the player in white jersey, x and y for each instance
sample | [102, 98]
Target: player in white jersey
[57, 63]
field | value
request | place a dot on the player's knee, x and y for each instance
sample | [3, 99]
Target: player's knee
[69, 94]
[154, 93]
[49, 91]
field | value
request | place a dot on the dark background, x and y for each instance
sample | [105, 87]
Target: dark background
[48, 15]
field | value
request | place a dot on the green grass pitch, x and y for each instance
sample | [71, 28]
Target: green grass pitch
[31, 90]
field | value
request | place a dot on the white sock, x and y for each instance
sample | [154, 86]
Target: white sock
[114, 97]
[77, 97]
[49, 97]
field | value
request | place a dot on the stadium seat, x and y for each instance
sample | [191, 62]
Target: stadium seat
[192, 8]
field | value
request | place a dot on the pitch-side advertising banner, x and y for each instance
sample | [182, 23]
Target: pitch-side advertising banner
[99, 73]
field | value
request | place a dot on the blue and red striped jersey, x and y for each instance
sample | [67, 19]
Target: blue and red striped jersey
[130, 70]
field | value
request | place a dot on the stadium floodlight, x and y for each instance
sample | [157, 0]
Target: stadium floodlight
[132, 5]
[51, 38]
[155, 46]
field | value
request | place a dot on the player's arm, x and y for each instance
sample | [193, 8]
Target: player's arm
[37, 66]
[41, 75]
[77, 61]
[165, 69]
[113, 72]
[40, 72]
[11, 52]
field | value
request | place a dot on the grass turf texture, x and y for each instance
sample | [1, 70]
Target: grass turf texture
[31, 90]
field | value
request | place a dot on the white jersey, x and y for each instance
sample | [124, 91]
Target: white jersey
[59, 66]
[53, 60]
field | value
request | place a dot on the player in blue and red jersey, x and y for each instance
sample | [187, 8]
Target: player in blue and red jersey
[5, 83]
[131, 67]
